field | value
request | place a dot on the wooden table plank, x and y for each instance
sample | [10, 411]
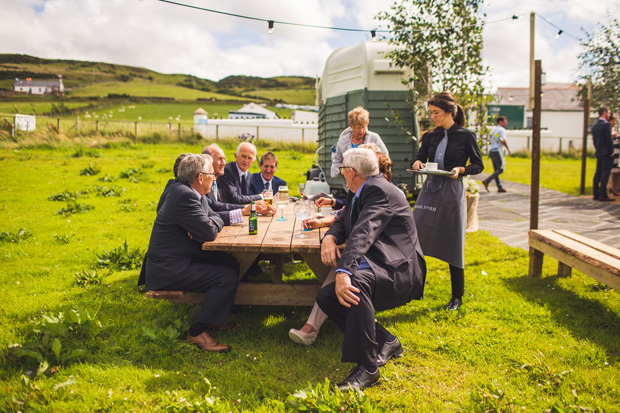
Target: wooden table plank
[614, 252]
[278, 239]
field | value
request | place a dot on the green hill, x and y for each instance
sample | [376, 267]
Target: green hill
[98, 79]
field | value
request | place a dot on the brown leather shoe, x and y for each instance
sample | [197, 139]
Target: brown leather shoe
[207, 343]
[486, 185]
[222, 327]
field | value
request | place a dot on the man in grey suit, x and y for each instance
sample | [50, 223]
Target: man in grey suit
[175, 260]
[381, 267]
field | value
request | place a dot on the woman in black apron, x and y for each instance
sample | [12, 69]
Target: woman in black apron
[440, 212]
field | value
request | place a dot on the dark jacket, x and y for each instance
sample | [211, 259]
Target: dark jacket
[221, 208]
[601, 134]
[382, 230]
[230, 187]
[172, 254]
[257, 186]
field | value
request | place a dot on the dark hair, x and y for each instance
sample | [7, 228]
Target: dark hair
[385, 166]
[500, 119]
[446, 102]
[175, 169]
[268, 156]
[602, 110]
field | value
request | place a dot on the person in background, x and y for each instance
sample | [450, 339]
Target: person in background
[615, 170]
[440, 211]
[496, 153]
[604, 151]
[266, 179]
[176, 261]
[355, 135]
[234, 184]
[381, 267]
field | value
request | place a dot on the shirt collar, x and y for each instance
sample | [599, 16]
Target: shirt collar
[197, 193]
[240, 171]
[359, 190]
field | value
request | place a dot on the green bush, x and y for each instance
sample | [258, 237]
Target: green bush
[120, 258]
[90, 170]
[14, 238]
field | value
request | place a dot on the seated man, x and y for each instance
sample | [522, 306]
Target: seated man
[234, 185]
[230, 213]
[381, 267]
[175, 260]
[266, 179]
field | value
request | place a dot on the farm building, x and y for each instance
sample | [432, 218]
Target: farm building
[252, 111]
[39, 87]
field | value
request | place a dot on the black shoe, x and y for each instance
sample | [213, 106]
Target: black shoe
[359, 379]
[595, 198]
[454, 304]
[501, 190]
[388, 351]
[606, 199]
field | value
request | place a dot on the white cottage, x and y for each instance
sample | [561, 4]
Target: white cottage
[39, 87]
[252, 111]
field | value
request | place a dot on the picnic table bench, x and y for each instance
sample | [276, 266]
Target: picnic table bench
[590, 257]
[275, 241]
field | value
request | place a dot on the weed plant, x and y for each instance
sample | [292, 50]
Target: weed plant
[519, 343]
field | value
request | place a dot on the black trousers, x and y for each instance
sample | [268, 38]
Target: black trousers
[219, 281]
[362, 334]
[601, 176]
[496, 159]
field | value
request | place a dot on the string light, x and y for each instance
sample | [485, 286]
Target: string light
[372, 32]
[559, 34]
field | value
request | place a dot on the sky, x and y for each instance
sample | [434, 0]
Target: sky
[172, 39]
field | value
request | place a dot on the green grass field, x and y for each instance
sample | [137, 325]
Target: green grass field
[548, 344]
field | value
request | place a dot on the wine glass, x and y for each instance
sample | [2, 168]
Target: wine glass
[302, 212]
[282, 201]
[301, 186]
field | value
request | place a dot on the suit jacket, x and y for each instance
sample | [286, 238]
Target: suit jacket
[379, 226]
[173, 256]
[221, 208]
[257, 186]
[601, 134]
[230, 187]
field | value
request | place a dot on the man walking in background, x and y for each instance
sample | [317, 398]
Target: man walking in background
[604, 151]
[498, 139]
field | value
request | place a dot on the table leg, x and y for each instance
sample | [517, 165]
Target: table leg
[245, 260]
[319, 269]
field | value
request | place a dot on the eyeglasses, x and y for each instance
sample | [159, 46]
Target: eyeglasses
[208, 173]
[342, 168]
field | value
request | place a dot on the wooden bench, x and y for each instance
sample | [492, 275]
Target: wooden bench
[590, 257]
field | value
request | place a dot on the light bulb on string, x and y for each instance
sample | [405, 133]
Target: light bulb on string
[270, 31]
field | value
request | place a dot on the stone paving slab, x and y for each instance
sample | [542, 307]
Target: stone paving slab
[507, 215]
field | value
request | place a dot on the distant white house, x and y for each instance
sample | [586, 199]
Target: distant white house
[39, 87]
[561, 115]
[302, 116]
[252, 111]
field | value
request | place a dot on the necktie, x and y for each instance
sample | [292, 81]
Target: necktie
[436, 180]
[267, 185]
[214, 190]
[244, 186]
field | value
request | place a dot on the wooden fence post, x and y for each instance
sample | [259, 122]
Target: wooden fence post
[97, 126]
[77, 124]
[179, 130]
[136, 129]
[58, 125]
[217, 132]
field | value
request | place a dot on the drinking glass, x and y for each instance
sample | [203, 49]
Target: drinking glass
[282, 201]
[302, 212]
[268, 196]
[301, 186]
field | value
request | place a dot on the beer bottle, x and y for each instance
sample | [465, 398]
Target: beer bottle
[253, 220]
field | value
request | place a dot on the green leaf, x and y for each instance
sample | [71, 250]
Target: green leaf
[56, 347]
[65, 384]
[43, 366]
[78, 352]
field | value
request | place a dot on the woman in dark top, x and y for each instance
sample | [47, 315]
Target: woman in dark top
[440, 212]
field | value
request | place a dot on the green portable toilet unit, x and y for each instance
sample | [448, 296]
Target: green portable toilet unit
[361, 75]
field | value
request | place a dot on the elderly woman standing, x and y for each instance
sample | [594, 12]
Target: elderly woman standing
[355, 135]
[440, 211]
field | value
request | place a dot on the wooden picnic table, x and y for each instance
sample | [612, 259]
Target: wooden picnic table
[275, 241]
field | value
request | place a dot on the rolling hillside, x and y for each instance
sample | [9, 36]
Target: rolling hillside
[97, 79]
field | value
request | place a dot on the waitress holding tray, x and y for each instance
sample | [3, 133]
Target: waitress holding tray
[440, 211]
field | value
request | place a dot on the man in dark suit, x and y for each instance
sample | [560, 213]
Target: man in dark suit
[234, 185]
[266, 179]
[603, 145]
[381, 267]
[175, 260]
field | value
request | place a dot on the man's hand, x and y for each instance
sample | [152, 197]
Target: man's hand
[324, 201]
[417, 165]
[264, 209]
[330, 254]
[247, 209]
[345, 291]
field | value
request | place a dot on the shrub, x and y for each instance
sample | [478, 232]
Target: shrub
[89, 277]
[74, 208]
[134, 175]
[105, 191]
[67, 196]
[64, 238]
[91, 169]
[120, 258]
[14, 238]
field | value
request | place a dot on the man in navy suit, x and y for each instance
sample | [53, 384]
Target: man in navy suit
[230, 213]
[266, 179]
[234, 185]
[603, 145]
[175, 259]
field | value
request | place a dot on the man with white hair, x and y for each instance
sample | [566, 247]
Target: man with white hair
[234, 185]
[175, 259]
[381, 267]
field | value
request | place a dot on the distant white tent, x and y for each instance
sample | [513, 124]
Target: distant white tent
[252, 111]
